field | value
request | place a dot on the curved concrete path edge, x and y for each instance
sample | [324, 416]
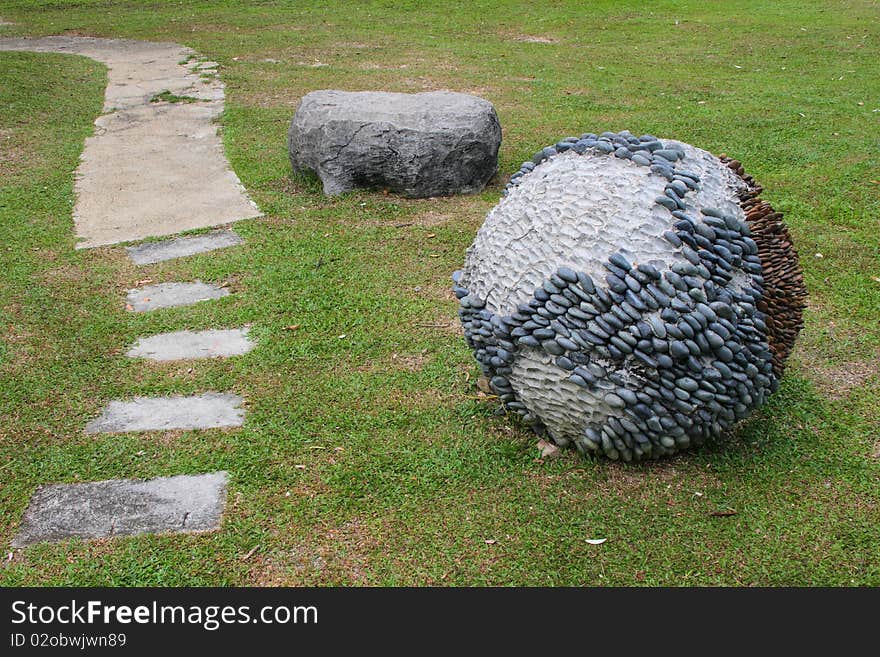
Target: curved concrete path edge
[151, 168]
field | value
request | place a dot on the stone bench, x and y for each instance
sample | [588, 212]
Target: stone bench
[419, 145]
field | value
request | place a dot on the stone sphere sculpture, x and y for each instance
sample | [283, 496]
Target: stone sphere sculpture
[631, 296]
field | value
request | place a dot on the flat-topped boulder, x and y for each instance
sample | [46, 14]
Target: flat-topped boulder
[437, 143]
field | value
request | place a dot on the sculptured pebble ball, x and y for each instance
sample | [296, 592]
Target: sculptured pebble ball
[631, 296]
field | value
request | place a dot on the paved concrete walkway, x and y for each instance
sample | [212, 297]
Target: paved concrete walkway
[151, 168]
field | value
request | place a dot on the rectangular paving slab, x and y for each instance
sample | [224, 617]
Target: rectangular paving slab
[183, 345]
[179, 247]
[124, 507]
[172, 295]
[209, 410]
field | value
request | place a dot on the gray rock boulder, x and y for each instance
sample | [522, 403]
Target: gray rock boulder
[419, 145]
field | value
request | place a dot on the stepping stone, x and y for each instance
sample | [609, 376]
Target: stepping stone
[179, 247]
[152, 167]
[171, 295]
[124, 507]
[183, 345]
[209, 410]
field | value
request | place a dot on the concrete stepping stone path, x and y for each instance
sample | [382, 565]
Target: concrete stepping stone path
[118, 507]
[186, 345]
[172, 295]
[153, 167]
[180, 247]
[209, 410]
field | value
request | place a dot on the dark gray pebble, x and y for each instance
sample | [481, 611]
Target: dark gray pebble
[566, 343]
[559, 310]
[578, 313]
[657, 326]
[586, 283]
[621, 345]
[567, 274]
[667, 154]
[565, 363]
[614, 401]
[560, 300]
[552, 347]
[687, 182]
[634, 300]
[677, 349]
[500, 382]
[669, 236]
[615, 283]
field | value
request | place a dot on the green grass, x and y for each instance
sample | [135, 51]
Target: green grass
[168, 97]
[371, 459]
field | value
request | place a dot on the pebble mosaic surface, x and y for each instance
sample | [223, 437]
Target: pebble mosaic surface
[630, 296]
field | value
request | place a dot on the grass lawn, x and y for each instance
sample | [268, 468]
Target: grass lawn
[369, 455]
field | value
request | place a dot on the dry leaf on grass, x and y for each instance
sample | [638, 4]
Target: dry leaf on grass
[548, 449]
[250, 553]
